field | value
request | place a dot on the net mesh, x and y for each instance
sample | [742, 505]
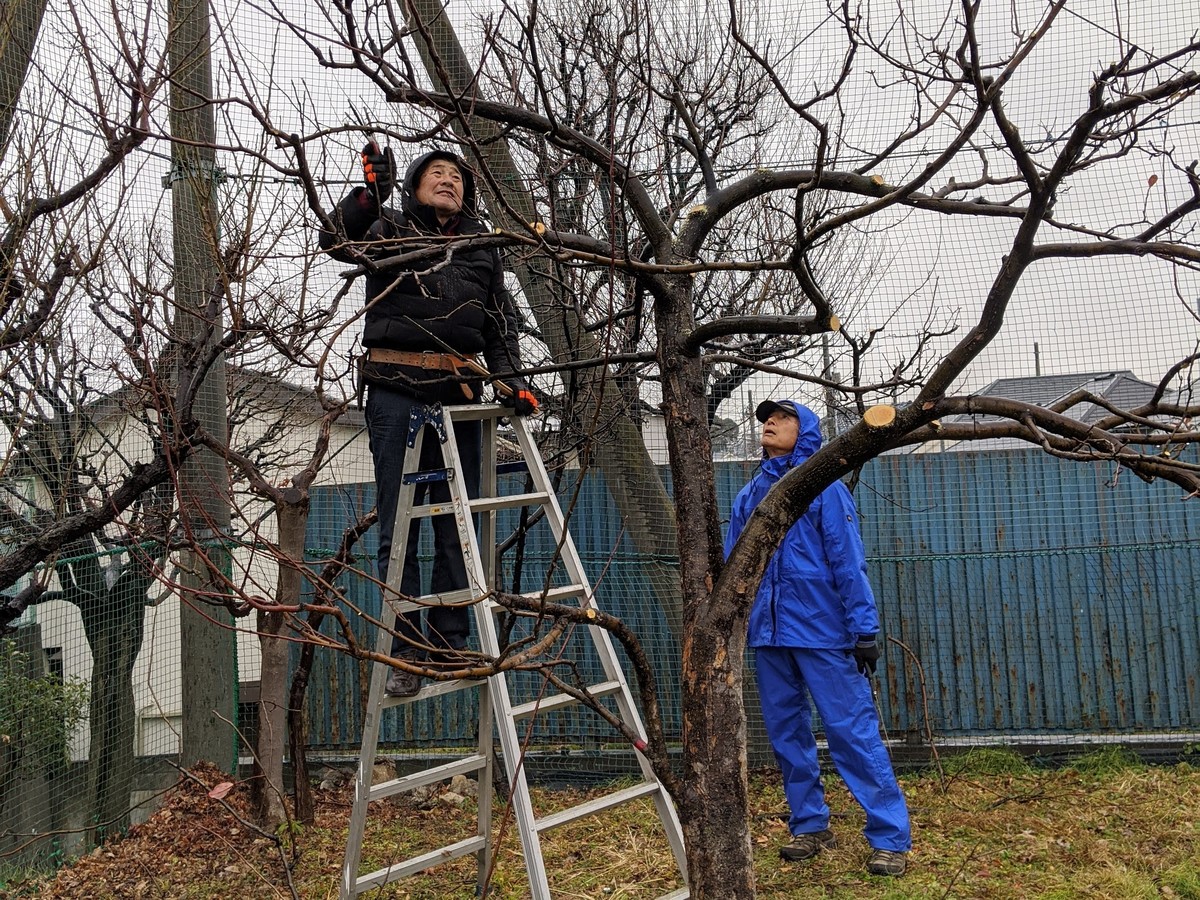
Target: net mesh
[1025, 600]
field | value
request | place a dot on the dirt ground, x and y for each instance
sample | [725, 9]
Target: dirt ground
[992, 828]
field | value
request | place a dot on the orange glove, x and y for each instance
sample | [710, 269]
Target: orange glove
[526, 404]
[519, 398]
[379, 170]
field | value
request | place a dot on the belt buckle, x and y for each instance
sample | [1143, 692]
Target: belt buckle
[426, 358]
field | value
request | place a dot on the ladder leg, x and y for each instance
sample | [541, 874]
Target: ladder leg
[487, 539]
[379, 673]
[501, 705]
[488, 487]
[485, 788]
[603, 642]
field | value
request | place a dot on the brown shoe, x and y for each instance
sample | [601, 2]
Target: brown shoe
[806, 846]
[887, 862]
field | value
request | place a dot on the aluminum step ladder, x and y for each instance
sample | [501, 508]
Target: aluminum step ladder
[496, 710]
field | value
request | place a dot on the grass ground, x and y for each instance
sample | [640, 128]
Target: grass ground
[989, 826]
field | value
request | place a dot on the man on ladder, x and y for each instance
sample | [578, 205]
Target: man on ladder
[424, 326]
[423, 330]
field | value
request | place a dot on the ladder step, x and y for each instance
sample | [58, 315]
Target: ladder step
[616, 798]
[553, 595]
[425, 510]
[682, 893]
[466, 595]
[431, 688]
[472, 411]
[427, 476]
[558, 701]
[487, 504]
[472, 763]
[447, 598]
[558, 594]
[420, 863]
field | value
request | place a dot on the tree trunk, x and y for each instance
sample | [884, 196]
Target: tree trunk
[302, 798]
[267, 782]
[291, 513]
[114, 629]
[714, 801]
[20, 21]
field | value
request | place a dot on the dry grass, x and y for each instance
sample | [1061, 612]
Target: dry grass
[992, 828]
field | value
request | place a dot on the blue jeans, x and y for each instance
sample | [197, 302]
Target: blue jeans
[387, 416]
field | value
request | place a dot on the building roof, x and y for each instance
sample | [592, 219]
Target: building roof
[1122, 388]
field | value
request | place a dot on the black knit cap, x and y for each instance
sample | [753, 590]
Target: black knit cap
[421, 163]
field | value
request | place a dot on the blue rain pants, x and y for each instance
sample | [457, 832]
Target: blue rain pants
[787, 676]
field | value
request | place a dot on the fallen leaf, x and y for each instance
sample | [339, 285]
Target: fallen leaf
[221, 790]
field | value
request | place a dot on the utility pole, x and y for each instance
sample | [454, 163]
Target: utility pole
[19, 24]
[208, 651]
[830, 425]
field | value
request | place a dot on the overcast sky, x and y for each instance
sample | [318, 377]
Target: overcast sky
[1082, 316]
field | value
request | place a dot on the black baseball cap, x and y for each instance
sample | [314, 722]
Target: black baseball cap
[770, 406]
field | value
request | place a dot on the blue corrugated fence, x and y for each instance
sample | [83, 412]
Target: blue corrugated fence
[1020, 595]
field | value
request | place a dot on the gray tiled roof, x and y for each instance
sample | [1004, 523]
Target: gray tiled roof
[1122, 388]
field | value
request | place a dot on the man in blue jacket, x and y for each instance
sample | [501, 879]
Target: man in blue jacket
[814, 630]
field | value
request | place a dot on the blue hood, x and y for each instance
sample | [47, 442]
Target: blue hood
[808, 441]
[814, 592]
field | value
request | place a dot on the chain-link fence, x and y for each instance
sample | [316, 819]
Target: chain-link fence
[178, 393]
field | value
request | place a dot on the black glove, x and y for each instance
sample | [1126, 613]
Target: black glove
[379, 171]
[518, 398]
[866, 654]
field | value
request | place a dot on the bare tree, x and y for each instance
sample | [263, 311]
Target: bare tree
[100, 389]
[957, 152]
[280, 412]
[675, 195]
[60, 452]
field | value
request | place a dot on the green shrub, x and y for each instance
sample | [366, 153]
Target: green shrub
[1107, 761]
[987, 761]
[37, 714]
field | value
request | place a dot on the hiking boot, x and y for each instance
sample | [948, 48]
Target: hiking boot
[402, 684]
[806, 846]
[887, 862]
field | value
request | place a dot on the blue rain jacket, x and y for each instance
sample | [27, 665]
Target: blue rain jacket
[815, 592]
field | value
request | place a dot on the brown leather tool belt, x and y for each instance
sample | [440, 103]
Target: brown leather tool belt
[378, 358]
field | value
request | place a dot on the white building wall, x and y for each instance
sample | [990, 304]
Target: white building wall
[157, 678]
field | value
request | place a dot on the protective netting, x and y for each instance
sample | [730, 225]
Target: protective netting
[148, 292]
